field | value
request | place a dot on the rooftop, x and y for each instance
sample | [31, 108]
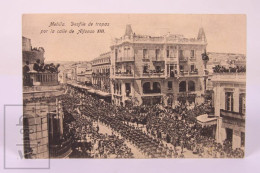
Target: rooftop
[129, 36]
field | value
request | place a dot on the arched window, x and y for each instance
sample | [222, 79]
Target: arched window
[182, 86]
[146, 88]
[156, 87]
[191, 86]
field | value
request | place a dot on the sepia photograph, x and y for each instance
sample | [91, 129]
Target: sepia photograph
[134, 86]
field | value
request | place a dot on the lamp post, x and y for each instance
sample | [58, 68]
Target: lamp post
[205, 59]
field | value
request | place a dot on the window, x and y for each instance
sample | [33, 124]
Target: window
[156, 88]
[168, 53]
[229, 101]
[169, 85]
[145, 53]
[120, 89]
[146, 87]
[114, 88]
[191, 86]
[158, 69]
[172, 69]
[145, 69]
[242, 139]
[127, 89]
[181, 54]
[157, 53]
[128, 69]
[181, 68]
[242, 103]
[182, 86]
[126, 52]
[229, 133]
[192, 68]
[192, 53]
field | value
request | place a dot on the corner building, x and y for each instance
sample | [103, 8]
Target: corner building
[230, 107]
[157, 70]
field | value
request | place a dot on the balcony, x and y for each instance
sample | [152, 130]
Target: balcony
[188, 73]
[172, 74]
[229, 77]
[40, 79]
[124, 74]
[156, 59]
[232, 114]
[153, 74]
[183, 59]
[192, 59]
[146, 59]
[195, 72]
[100, 74]
[125, 59]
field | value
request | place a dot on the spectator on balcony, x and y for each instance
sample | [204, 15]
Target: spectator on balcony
[26, 68]
[42, 68]
[36, 66]
[26, 77]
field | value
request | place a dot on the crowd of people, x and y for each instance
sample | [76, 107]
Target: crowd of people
[39, 66]
[235, 69]
[157, 132]
[88, 141]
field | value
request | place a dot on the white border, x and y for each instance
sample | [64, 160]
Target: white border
[11, 88]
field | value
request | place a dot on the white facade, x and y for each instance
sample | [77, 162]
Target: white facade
[141, 63]
[229, 102]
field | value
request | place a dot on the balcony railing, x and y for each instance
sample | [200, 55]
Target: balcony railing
[236, 77]
[146, 59]
[100, 74]
[188, 73]
[183, 59]
[158, 58]
[194, 72]
[40, 79]
[153, 74]
[193, 58]
[231, 114]
[125, 59]
[124, 74]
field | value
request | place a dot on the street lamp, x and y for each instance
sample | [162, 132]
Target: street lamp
[205, 59]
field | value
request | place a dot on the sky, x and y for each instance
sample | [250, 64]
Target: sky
[225, 33]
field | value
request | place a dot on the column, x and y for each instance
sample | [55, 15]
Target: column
[132, 89]
[236, 141]
[236, 100]
[123, 90]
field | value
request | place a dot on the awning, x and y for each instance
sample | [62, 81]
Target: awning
[104, 94]
[204, 120]
[91, 91]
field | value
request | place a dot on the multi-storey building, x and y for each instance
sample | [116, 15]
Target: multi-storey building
[43, 115]
[88, 74]
[101, 72]
[81, 72]
[151, 70]
[229, 103]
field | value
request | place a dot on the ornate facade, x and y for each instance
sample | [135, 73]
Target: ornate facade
[151, 70]
[101, 72]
